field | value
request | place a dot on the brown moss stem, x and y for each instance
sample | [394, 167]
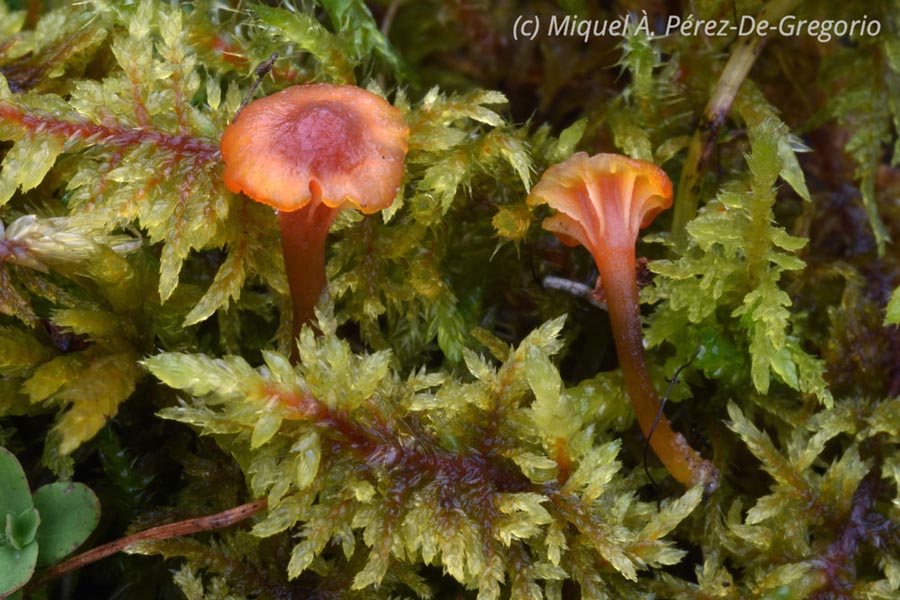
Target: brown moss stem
[219, 520]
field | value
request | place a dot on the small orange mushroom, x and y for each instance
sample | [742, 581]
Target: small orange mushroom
[602, 201]
[307, 151]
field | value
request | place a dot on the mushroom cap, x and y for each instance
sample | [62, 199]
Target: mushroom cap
[330, 143]
[602, 200]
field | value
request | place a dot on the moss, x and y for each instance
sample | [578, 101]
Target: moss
[456, 424]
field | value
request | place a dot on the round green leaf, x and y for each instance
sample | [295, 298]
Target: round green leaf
[15, 497]
[69, 513]
[16, 567]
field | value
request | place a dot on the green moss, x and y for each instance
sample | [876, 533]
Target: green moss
[453, 426]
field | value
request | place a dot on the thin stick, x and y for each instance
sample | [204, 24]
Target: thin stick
[261, 71]
[217, 521]
[577, 289]
[747, 49]
[389, 17]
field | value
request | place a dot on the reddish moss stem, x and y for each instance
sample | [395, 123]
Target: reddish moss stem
[163, 532]
[108, 135]
[303, 234]
[617, 272]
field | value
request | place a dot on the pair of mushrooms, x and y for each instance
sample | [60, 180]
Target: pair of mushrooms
[311, 149]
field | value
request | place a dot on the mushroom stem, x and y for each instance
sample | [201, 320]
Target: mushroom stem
[303, 233]
[617, 272]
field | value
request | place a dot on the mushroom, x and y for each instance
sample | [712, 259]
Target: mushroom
[307, 151]
[601, 202]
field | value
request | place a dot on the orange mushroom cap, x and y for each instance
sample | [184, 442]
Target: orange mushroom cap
[330, 143]
[603, 200]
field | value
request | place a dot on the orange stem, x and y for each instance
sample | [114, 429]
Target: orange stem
[303, 234]
[617, 274]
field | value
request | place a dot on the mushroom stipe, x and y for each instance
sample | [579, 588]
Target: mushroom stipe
[602, 202]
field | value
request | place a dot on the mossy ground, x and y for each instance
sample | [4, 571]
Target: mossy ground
[456, 427]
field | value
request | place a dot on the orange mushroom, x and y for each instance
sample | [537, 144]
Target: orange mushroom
[307, 151]
[602, 201]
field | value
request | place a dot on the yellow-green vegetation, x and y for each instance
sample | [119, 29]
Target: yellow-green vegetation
[455, 424]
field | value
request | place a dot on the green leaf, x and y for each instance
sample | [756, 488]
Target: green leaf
[761, 445]
[11, 21]
[52, 242]
[811, 373]
[672, 514]
[266, 427]
[670, 148]
[450, 327]
[226, 285]
[764, 161]
[444, 178]
[734, 264]
[595, 471]
[51, 376]
[790, 166]
[199, 375]
[553, 412]
[513, 151]
[15, 495]
[524, 516]
[355, 24]
[842, 479]
[545, 338]
[16, 566]
[544, 380]
[305, 31]
[96, 324]
[570, 136]
[768, 319]
[20, 351]
[303, 554]
[95, 395]
[69, 513]
[21, 528]
[27, 163]
[12, 302]
[61, 46]
[289, 510]
[632, 140]
[537, 468]
[309, 453]
[763, 117]
[560, 149]
[892, 314]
